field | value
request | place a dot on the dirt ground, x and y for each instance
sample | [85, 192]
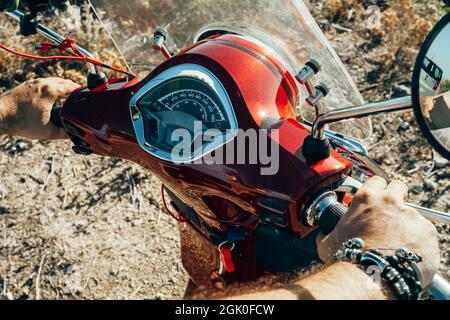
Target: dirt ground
[76, 227]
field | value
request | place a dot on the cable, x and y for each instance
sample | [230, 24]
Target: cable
[66, 44]
[181, 215]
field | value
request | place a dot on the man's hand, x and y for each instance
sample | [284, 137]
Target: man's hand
[25, 110]
[379, 216]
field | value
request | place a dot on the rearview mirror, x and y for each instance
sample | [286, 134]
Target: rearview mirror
[431, 87]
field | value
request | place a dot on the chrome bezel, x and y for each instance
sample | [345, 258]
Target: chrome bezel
[183, 70]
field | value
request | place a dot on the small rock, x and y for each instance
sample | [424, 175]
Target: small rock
[400, 90]
[417, 189]
[137, 222]
[412, 160]
[3, 210]
[442, 174]
[430, 186]
[324, 22]
[69, 269]
[21, 146]
[114, 271]
[79, 224]
[403, 148]
[404, 126]
[439, 161]
[7, 296]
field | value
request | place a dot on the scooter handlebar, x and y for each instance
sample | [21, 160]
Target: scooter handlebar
[55, 115]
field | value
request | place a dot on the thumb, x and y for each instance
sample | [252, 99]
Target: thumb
[56, 88]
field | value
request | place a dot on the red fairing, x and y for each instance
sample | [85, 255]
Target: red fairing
[259, 88]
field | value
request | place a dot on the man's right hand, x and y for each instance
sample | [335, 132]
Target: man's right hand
[25, 110]
[378, 215]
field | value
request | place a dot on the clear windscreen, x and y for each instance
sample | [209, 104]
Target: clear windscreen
[286, 26]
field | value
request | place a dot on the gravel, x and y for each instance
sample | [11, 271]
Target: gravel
[95, 237]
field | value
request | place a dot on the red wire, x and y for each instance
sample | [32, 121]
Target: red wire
[30, 56]
[68, 43]
[181, 215]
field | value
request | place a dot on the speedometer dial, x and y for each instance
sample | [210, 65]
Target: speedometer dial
[182, 104]
[189, 96]
[196, 103]
[182, 114]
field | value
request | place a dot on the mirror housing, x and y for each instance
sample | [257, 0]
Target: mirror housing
[431, 87]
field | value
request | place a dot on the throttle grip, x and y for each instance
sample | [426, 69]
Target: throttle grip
[331, 216]
[55, 116]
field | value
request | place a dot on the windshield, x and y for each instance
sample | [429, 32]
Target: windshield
[286, 26]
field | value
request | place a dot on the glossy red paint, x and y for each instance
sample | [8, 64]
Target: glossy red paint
[259, 88]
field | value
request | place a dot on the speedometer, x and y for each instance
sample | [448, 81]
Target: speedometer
[192, 105]
[196, 103]
[188, 96]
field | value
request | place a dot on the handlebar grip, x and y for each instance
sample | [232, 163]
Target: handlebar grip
[55, 116]
[331, 216]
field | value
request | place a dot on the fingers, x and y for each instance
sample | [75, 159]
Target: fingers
[55, 88]
[373, 184]
[64, 87]
[370, 190]
[398, 190]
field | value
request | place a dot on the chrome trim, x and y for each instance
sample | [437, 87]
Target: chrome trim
[55, 37]
[185, 70]
[441, 288]
[430, 214]
[350, 143]
[318, 206]
[373, 108]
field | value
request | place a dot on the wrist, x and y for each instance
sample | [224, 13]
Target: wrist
[400, 271]
[328, 284]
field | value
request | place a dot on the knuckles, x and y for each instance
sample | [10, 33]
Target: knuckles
[389, 199]
[364, 196]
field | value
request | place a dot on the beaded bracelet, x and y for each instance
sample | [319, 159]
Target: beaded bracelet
[400, 271]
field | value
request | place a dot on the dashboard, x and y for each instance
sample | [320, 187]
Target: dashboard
[183, 114]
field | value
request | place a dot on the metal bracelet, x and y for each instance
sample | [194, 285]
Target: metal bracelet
[400, 271]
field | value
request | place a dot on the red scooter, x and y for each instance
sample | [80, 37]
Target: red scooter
[239, 118]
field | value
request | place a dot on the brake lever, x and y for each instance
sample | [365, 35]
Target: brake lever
[351, 185]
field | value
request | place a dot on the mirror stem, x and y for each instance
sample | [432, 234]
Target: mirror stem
[398, 104]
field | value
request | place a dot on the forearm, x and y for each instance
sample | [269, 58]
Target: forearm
[3, 106]
[340, 281]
